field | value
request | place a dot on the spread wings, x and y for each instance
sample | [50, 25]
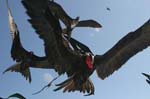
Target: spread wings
[47, 26]
[89, 23]
[67, 20]
[18, 53]
[127, 47]
[21, 55]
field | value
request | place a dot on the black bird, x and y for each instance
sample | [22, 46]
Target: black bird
[70, 23]
[24, 58]
[79, 67]
[108, 9]
[148, 76]
[75, 65]
[63, 59]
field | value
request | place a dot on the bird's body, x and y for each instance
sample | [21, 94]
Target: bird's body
[77, 65]
[70, 23]
[24, 59]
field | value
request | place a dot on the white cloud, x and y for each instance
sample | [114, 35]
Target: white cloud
[97, 29]
[47, 77]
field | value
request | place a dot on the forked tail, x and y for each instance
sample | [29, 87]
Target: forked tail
[17, 68]
[70, 85]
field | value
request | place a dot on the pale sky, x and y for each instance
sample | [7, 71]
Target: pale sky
[125, 16]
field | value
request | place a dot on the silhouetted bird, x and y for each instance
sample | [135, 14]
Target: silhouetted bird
[58, 11]
[24, 58]
[148, 76]
[77, 66]
[108, 9]
[27, 59]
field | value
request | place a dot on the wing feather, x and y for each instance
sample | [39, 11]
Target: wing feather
[17, 68]
[127, 47]
[60, 13]
[47, 26]
[17, 51]
[89, 23]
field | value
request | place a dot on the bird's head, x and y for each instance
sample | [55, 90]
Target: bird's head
[75, 22]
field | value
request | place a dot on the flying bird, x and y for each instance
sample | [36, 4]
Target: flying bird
[70, 23]
[64, 60]
[24, 59]
[108, 9]
[77, 66]
[148, 77]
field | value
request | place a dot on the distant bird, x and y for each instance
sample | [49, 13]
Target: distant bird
[79, 67]
[148, 76]
[108, 9]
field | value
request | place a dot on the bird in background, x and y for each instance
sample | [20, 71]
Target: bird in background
[108, 9]
[147, 76]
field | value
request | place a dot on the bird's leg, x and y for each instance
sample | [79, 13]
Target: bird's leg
[48, 85]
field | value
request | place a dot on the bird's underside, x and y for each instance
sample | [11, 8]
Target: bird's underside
[43, 62]
[64, 54]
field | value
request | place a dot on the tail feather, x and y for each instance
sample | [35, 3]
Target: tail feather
[69, 85]
[17, 68]
[63, 84]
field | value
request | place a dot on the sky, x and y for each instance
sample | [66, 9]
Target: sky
[125, 16]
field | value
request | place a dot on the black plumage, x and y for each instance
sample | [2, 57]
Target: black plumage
[73, 62]
[70, 23]
[63, 58]
[24, 59]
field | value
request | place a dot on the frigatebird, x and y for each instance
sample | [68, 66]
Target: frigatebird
[25, 59]
[147, 76]
[79, 67]
[69, 22]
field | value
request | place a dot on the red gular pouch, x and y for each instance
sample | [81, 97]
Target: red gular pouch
[89, 61]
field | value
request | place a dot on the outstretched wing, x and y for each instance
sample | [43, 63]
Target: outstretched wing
[17, 51]
[89, 23]
[60, 13]
[47, 26]
[127, 47]
[67, 20]
[19, 54]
